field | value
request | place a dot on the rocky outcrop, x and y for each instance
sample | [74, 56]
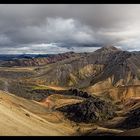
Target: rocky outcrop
[91, 110]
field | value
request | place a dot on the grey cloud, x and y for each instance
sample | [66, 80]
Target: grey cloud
[73, 26]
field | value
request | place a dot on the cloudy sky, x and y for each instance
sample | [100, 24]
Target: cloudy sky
[57, 28]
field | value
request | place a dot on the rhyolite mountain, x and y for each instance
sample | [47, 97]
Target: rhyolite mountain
[106, 65]
[108, 71]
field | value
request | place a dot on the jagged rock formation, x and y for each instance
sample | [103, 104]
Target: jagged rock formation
[91, 110]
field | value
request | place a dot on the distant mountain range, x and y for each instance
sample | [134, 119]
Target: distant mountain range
[8, 57]
[32, 59]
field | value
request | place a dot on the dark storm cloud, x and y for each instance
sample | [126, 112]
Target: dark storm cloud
[60, 27]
